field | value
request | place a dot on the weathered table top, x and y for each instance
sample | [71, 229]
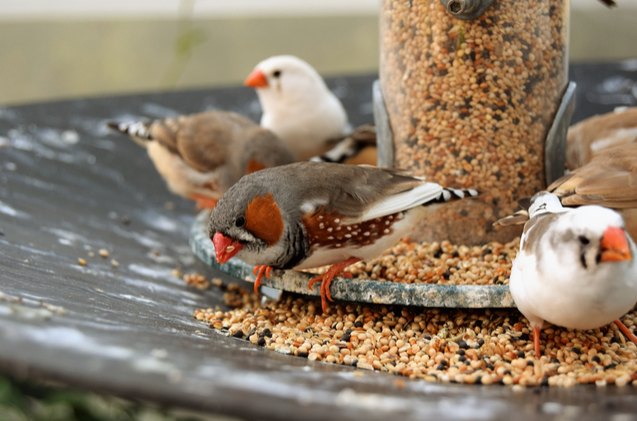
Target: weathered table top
[69, 188]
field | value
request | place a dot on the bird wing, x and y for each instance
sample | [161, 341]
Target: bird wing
[518, 218]
[533, 230]
[361, 193]
[610, 180]
[202, 139]
[404, 200]
[589, 137]
[346, 191]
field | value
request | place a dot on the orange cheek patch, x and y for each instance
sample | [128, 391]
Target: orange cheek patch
[254, 166]
[263, 219]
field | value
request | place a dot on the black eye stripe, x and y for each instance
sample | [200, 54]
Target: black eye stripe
[583, 240]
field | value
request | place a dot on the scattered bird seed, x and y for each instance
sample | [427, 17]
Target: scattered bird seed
[196, 280]
[428, 343]
[446, 345]
[81, 261]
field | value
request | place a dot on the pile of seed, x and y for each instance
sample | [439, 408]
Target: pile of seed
[470, 102]
[458, 346]
[441, 263]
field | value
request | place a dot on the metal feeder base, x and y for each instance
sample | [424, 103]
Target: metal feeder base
[359, 290]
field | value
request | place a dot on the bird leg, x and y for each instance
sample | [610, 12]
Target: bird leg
[203, 202]
[327, 278]
[626, 331]
[536, 340]
[259, 271]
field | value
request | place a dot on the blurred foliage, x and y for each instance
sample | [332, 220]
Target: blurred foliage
[30, 401]
[188, 39]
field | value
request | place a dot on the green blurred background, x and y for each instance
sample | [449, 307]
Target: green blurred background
[70, 48]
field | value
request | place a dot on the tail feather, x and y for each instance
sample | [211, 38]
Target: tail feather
[422, 195]
[518, 218]
[448, 194]
[349, 146]
[138, 130]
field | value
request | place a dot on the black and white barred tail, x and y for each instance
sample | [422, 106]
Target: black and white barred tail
[137, 130]
[341, 152]
[349, 146]
[447, 195]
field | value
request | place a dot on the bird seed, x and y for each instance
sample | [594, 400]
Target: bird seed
[470, 103]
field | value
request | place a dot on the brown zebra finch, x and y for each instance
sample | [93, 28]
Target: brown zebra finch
[576, 268]
[609, 180]
[594, 134]
[201, 155]
[309, 214]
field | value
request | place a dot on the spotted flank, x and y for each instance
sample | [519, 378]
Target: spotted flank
[331, 230]
[136, 129]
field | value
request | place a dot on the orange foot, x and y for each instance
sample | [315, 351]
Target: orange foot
[327, 278]
[204, 202]
[626, 331]
[259, 271]
[536, 341]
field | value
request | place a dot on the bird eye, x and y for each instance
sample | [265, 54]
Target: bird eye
[583, 240]
[276, 73]
[239, 222]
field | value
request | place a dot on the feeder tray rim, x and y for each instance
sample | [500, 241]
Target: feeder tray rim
[357, 290]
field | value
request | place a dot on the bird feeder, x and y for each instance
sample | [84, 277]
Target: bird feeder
[474, 93]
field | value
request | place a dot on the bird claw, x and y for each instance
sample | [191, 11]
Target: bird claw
[260, 271]
[622, 327]
[536, 341]
[327, 278]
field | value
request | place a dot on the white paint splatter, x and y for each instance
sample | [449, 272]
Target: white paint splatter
[159, 221]
[70, 137]
[155, 272]
[74, 339]
[67, 238]
[143, 239]
[159, 111]
[136, 298]
[629, 65]
[10, 211]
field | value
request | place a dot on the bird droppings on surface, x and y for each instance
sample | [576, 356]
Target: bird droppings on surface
[440, 345]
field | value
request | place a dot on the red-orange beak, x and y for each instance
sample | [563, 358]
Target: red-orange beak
[225, 248]
[614, 245]
[256, 79]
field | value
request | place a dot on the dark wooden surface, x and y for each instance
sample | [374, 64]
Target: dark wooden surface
[67, 185]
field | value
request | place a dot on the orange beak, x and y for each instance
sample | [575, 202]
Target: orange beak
[614, 245]
[256, 79]
[225, 248]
